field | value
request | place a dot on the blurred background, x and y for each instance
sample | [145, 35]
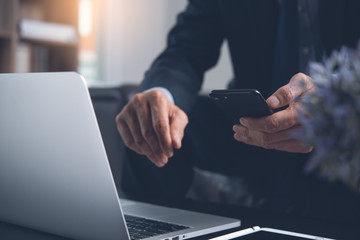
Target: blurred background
[110, 42]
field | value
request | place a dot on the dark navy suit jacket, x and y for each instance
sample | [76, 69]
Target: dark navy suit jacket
[252, 30]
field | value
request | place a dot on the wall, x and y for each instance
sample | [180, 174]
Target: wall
[134, 33]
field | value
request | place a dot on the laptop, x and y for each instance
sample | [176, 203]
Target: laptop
[54, 173]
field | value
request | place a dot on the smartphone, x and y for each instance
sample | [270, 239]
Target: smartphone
[237, 103]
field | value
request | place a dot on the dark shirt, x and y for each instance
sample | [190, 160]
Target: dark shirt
[269, 41]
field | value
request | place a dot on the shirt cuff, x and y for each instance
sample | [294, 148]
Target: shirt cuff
[164, 90]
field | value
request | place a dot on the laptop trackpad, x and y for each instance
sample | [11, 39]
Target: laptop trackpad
[146, 210]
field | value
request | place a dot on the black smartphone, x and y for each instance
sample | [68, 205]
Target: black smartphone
[237, 103]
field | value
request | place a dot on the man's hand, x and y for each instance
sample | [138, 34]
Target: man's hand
[153, 126]
[276, 131]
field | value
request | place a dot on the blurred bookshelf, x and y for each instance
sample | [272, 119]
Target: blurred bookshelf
[38, 35]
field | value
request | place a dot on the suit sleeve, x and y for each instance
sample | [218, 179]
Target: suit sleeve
[193, 47]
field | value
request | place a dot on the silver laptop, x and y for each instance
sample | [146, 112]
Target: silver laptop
[54, 173]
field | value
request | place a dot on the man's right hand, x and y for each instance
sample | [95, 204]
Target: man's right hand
[151, 125]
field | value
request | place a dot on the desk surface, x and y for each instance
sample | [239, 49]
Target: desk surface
[332, 228]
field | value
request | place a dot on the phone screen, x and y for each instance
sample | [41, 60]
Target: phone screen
[261, 235]
[237, 103]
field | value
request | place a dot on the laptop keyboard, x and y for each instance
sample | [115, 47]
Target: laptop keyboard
[140, 228]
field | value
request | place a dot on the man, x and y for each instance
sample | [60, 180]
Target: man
[270, 42]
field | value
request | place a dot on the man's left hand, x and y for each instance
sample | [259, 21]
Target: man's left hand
[277, 130]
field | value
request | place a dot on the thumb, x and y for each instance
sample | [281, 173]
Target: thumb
[287, 94]
[178, 122]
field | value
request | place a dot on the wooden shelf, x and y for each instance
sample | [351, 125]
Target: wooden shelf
[48, 43]
[19, 54]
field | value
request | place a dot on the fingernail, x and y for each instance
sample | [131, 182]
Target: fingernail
[237, 136]
[242, 121]
[164, 159]
[274, 101]
[169, 153]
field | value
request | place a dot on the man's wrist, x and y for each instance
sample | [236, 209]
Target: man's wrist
[165, 91]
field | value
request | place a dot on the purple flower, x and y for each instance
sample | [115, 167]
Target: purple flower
[334, 126]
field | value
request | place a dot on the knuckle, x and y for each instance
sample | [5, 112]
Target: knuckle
[129, 143]
[139, 141]
[155, 148]
[287, 94]
[148, 134]
[266, 139]
[119, 119]
[157, 152]
[271, 125]
[127, 110]
[137, 99]
[160, 126]
[156, 95]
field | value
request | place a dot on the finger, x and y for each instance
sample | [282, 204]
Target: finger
[282, 141]
[160, 122]
[126, 136]
[141, 143]
[178, 122]
[130, 143]
[276, 122]
[155, 159]
[148, 132]
[298, 85]
[262, 139]
[155, 156]
[294, 146]
[142, 121]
